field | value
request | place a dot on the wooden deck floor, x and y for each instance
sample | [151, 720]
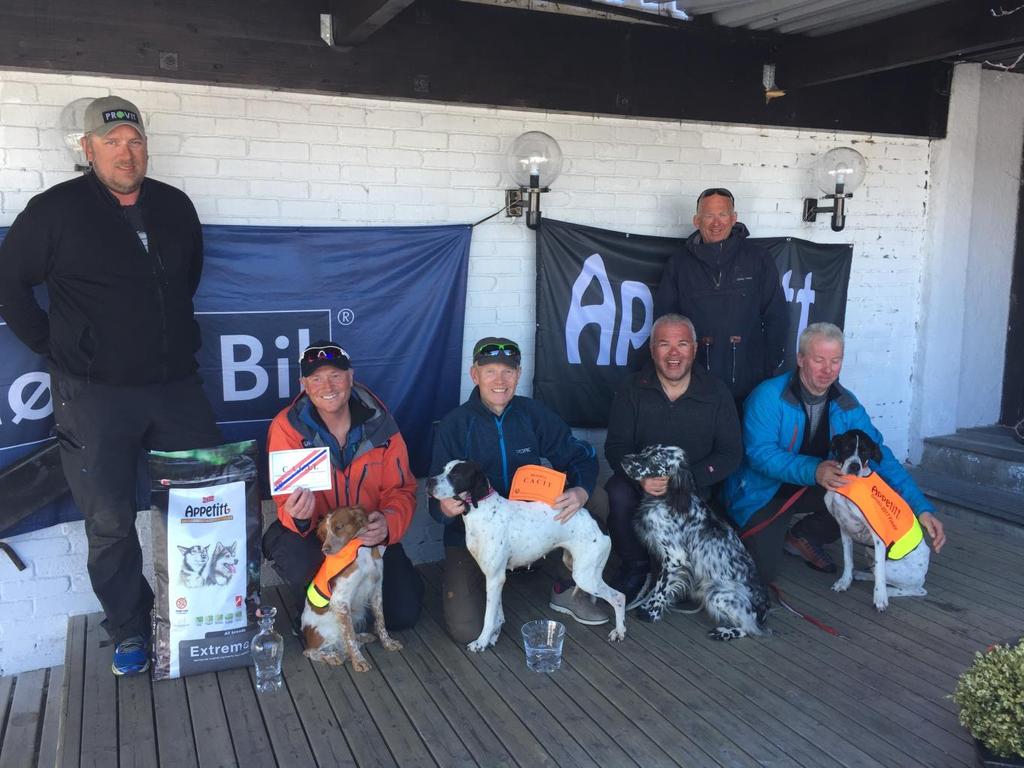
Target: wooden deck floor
[666, 696]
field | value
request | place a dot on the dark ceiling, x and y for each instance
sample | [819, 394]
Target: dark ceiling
[874, 65]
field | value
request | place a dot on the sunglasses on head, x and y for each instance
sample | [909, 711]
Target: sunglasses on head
[312, 354]
[721, 191]
[494, 350]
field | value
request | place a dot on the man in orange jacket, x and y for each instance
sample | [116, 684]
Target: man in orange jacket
[371, 470]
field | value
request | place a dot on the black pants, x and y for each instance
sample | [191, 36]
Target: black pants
[623, 499]
[102, 430]
[297, 559]
[764, 542]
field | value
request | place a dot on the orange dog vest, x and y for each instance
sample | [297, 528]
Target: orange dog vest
[889, 516]
[319, 591]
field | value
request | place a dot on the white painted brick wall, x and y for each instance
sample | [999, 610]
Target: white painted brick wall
[273, 158]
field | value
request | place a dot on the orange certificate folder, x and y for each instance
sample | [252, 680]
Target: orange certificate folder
[533, 482]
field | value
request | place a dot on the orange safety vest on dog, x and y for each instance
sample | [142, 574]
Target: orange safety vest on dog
[319, 591]
[889, 516]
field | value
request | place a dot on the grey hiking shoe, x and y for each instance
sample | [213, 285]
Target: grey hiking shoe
[578, 604]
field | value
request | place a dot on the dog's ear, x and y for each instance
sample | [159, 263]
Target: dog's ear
[836, 445]
[875, 452]
[480, 488]
[359, 518]
[322, 527]
[184, 550]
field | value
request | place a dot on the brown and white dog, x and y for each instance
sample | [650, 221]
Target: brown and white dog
[331, 632]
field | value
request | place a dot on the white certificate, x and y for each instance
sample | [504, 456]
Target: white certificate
[308, 468]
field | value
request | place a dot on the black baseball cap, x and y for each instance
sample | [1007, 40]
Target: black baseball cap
[497, 349]
[321, 353]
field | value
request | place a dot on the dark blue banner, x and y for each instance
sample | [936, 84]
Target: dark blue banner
[393, 297]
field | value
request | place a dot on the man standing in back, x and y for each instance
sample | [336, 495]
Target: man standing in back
[121, 256]
[730, 289]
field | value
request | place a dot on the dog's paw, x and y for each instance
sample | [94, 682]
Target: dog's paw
[841, 585]
[647, 614]
[391, 644]
[478, 646]
[616, 636]
[360, 664]
[881, 602]
[726, 633]
[332, 659]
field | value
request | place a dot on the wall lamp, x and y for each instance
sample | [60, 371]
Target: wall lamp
[837, 173]
[72, 122]
[534, 162]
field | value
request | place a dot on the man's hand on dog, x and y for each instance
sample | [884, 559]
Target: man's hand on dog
[569, 503]
[452, 507]
[829, 475]
[375, 531]
[300, 504]
[655, 486]
[933, 525]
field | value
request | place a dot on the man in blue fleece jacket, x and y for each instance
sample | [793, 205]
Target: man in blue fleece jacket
[788, 424]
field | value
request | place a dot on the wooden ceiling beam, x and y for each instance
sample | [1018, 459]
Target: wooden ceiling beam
[939, 32]
[355, 20]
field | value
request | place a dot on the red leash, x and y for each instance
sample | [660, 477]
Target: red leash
[806, 617]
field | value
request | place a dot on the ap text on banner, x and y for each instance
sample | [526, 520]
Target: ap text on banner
[595, 307]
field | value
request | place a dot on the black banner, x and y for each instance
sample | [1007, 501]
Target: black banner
[595, 307]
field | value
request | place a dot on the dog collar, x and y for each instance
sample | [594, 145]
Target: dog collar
[466, 501]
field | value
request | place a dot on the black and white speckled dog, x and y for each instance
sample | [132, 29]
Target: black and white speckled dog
[700, 554]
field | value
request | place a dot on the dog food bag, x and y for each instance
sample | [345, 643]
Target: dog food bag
[206, 549]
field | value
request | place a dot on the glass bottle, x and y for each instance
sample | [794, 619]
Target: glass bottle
[267, 648]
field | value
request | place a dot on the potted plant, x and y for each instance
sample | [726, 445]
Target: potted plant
[990, 694]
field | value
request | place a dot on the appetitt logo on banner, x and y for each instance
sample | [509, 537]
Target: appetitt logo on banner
[249, 360]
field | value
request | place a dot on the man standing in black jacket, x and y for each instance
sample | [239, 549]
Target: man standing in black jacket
[669, 402]
[731, 290]
[121, 256]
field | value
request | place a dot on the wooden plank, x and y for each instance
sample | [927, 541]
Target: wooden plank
[947, 30]
[175, 740]
[414, 703]
[136, 728]
[470, 674]
[49, 738]
[282, 720]
[926, 709]
[756, 690]
[24, 720]
[402, 739]
[620, 707]
[209, 722]
[813, 694]
[472, 731]
[99, 696]
[361, 733]
[715, 727]
[248, 731]
[603, 66]
[69, 741]
[327, 739]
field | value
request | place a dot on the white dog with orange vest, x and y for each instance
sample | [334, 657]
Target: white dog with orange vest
[870, 512]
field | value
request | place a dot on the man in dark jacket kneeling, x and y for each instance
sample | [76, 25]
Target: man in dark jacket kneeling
[670, 402]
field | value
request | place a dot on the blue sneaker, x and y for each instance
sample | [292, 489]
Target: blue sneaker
[131, 656]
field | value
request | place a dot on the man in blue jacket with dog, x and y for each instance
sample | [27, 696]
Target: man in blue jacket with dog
[502, 431]
[788, 423]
